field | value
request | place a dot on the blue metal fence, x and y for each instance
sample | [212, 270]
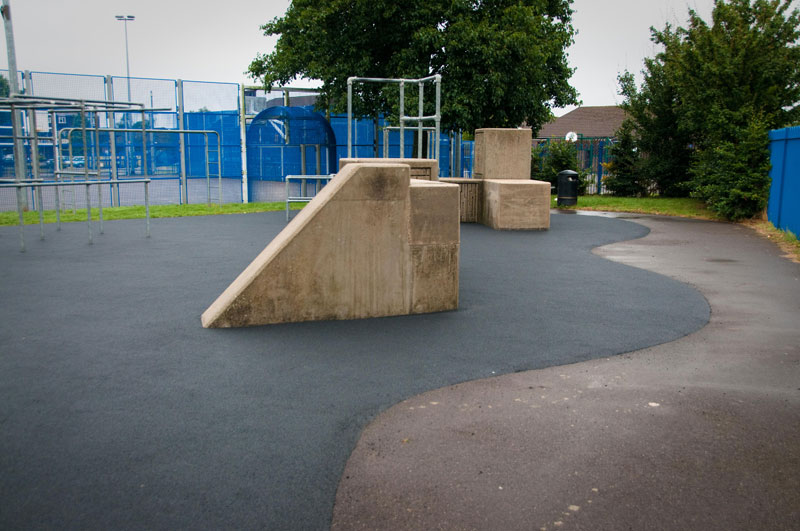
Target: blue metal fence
[783, 209]
[193, 105]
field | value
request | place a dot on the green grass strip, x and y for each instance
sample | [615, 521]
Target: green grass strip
[137, 212]
[666, 206]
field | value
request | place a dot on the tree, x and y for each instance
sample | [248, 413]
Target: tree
[5, 90]
[502, 62]
[554, 157]
[625, 174]
[714, 92]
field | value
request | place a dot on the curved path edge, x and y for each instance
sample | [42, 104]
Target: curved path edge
[698, 433]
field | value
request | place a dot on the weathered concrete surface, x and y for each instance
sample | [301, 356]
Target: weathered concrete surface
[422, 169]
[702, 433]
[512, 204]
[355, 251]
[471, 197]
[434, 237]
[502, 154]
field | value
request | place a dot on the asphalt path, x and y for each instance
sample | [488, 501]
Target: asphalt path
[118, 410]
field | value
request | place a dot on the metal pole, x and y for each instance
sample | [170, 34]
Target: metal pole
[385, 143]
[182, 142]
[438, 119]
[243, 141]
[419, 122]
[112, 141]
[349, 117]
[35, 168]
[56, 166]
[400, 117]
[21, 223]
[16, 118]
[96, 121]
[147, 208]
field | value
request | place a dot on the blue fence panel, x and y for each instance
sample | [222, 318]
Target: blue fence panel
[783, 209]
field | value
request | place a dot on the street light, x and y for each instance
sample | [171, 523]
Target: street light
[125, 19]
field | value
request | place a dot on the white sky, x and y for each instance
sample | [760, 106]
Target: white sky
[216, 40]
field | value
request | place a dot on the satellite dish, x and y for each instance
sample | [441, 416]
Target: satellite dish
[572, 136]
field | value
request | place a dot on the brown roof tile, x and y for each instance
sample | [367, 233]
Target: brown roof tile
[587, 121]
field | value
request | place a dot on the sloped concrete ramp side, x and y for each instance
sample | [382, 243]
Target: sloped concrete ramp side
[341, 257]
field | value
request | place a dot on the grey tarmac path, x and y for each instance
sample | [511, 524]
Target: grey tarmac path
[699, 433]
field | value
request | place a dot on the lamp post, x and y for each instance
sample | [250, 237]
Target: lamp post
[125, 19]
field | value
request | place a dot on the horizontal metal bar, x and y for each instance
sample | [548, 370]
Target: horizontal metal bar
[390, 80]
[419, 118]
[71, 183]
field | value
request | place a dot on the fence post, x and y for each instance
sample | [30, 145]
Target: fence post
[243, 142]
[181, 143]
[112, 141]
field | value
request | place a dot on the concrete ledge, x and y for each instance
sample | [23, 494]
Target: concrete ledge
[511, 204]
[423, 169]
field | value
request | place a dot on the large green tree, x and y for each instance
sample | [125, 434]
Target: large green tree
[502, 62]
[713, 94]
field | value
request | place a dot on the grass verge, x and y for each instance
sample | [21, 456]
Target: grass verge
[137, 212]
[684, 207]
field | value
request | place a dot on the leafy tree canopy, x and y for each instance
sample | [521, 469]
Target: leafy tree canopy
[708, 99]
[502, 62]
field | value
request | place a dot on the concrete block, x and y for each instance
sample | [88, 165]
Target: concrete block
[348, 254]
[434, 213]
[423, 169]
[511, 204]
[502, 154]
[470, 198]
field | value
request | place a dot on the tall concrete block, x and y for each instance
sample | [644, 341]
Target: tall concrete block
[434, 237]
[352, 252]
[423, 169]
[502, 154]
[511, 204]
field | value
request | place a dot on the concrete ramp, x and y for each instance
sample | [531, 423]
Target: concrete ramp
[353, 252]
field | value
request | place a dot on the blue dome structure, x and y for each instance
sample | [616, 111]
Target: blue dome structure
[279, 138]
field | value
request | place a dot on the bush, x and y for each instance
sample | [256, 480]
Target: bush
[626, 178]
[554, 157]
[733, 177]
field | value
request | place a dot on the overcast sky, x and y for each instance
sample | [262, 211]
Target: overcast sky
[216, 40]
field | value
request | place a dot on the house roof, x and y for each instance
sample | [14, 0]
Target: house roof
[586, 121]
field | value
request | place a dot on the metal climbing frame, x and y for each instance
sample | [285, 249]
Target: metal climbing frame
[20, 105]
[419, 119]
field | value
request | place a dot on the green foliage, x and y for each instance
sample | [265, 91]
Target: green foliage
[502, 62]
[709, 95]
[554, 157]
[733, 176]
[625, 177]
[5, 89]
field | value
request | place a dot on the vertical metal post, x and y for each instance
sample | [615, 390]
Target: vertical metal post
[96, 122]
[181, 142]
[451, 138]
[303, 184]
[16, 117]
[385, 143]
[401, 114]
[88, 212]
[147, 208]
[457, 152]
[317, 148]
[438, 117]
[419, 122]
[35, 165]
[243, 141]
[86, 171]
[208, 176]
[112, 141]
[56, 165]
[349, 117]
[21, 221]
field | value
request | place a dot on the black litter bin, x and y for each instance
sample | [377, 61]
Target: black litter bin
[567, 188]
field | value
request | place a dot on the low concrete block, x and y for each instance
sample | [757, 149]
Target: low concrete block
[502, 154]
[470, 198]
[423, 169]
[511, 204]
